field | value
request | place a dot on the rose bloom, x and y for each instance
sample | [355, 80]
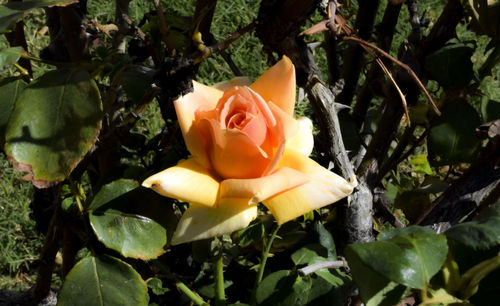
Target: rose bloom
[246, 147]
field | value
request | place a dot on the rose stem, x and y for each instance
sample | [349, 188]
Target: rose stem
[193, 296]
[196, 299]
[265, 254]
[220, 296]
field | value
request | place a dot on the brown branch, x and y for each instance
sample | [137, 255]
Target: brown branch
[221, 46]
[466, 193]
[76, 38]
[354, 57]
[399, 63]
[121, 14]
[50, 248]
[162, 24]
[373, 85]
[144, 38]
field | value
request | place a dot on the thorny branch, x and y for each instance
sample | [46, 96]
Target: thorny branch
[401, 64]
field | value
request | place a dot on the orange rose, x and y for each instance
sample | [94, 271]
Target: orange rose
[246, 148]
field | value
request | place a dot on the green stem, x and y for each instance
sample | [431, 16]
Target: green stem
[195, 298]
[262, 266]
[220, 295]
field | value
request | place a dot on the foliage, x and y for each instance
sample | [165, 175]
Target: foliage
[86, 115]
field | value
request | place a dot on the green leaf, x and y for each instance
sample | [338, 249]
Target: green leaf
[135, 84]
[325, 239]
[482, 234]
[374, 289]
[452, 136]
[250, 234]
[156, 286]
[55, 122]
[408, 256]
[12, 12]
[122, 221]
[334, 280]
[102, 280]
[421, 164]
[301, 289]
[9, 91]
[10, 56]
[308, 254]
[323, 293]
[490, 109]
[451, 66]
[209, 290]
[276, 289]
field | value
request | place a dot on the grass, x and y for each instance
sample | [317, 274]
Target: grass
[19, 242]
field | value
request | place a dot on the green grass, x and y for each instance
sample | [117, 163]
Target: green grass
[19, 242]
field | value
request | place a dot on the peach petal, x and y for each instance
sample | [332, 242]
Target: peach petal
[288, 124]
[324, 188]
[233, 154]
[277, 84]
[259, 189]
[237, 81]
[201, 222]
[202, 99]
[177, 182]
[303, 140]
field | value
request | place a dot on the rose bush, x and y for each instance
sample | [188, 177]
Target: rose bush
[246, 147]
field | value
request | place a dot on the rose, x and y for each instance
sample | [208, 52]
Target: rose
[246, 148]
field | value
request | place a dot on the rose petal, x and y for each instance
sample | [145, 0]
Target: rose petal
[201, 222]
[324, 188]
[259, 189]
[289, 125]
[233, 154]
[202, 99]
[277, 84]
[178, 181]
[285, 127]
[237, 81]
[303, 140]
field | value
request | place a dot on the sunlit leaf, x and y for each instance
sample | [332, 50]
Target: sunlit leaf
[421, 164]
[10, 89]
[482, 234]
[102, 280]
[408, 256]
[55, 122]
[9, 56]
[132, 220]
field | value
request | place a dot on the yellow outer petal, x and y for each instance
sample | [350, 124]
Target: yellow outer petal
[237, 81]
[277, 84]
[188, 182]
[259, 189]
[303, 140]
[324, 188]
[201, 222]
[203, 98]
